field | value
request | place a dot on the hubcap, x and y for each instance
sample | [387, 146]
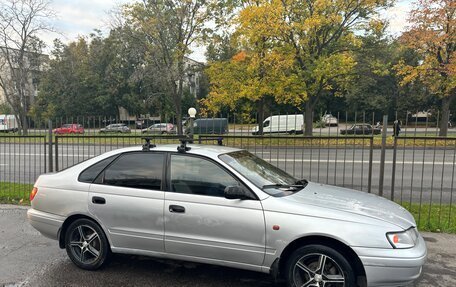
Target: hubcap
[85, 244]
[317, 270]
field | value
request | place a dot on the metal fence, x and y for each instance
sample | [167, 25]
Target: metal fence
[413, 170]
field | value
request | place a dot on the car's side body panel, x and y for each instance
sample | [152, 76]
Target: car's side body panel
[215, 228]
[132, 217]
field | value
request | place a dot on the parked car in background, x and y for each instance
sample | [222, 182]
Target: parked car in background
[209, 126]
[361, 129]
[116, 128]
[8, 123]
[330, 120]
[282, 124]
[161, 128]
[225, 206]
[69, 129]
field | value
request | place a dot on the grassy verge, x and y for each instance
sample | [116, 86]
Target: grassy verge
[241, 141]
[15, 193]
[434, 218]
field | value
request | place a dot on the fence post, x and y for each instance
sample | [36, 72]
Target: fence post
[51, 168]
[382, 155]
[371, 155]
[56, 153]
[393, 175]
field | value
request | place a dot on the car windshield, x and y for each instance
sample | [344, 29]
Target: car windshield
[264, 175]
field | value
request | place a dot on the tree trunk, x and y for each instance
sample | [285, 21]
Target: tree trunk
[446, 102]
[24, 124]
[260, 116]
[308, 119]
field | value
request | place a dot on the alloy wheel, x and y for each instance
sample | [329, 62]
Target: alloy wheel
[317, 270]
[85, 244]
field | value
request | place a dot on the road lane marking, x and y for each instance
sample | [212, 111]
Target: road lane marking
[271, 159]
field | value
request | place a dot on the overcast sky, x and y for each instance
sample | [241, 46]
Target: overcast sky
[78, 18]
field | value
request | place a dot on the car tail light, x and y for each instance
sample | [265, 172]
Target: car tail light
[33, 193]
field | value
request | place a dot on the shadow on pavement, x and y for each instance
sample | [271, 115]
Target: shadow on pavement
[125, 270]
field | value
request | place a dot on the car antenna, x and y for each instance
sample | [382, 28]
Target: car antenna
[147, 145]
[182, 148]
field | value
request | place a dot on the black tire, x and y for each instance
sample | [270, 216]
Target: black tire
[90, 252]
[310, 256]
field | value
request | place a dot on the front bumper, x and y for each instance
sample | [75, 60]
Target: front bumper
[46, 223]
[393, 267]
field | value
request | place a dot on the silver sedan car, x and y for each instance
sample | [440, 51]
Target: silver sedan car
[225, 206]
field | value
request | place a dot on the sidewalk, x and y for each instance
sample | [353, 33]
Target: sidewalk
[440, 268]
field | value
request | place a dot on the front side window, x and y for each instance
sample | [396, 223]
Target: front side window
[135, 170]
[266, 124]
[199, 176]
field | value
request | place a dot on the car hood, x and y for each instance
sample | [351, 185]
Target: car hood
[352, 201]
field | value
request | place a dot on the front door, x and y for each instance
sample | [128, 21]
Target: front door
[127, 199]
[201, 222]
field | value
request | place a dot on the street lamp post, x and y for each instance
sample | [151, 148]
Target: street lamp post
[192, 114]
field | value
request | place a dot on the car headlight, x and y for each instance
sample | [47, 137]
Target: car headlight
[403, 239]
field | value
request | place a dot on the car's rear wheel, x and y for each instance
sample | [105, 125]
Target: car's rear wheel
[318, 265]
[86, 244]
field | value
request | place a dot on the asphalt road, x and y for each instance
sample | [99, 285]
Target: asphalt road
[29, 259]
[421, 174]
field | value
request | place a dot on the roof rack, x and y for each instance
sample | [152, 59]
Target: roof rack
[147, 145]
[182, 148]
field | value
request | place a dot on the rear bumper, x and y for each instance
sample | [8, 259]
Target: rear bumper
[46, 223]
[393, 267]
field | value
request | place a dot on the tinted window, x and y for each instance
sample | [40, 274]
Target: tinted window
[93, 171]
[199, 176]
[136, 170]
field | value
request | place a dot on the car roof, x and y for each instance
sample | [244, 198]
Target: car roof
[206, 150]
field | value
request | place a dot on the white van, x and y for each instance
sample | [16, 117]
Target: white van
[8, 123]
[282, 124]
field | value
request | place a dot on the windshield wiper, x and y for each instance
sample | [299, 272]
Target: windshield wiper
[299, 184]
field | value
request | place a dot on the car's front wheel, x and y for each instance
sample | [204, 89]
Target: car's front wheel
[318, 265]
[86, 244]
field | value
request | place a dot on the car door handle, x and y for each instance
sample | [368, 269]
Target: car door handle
[98, 200]
[176, 209]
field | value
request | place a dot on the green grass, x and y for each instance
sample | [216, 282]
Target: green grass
[239, 141]
[435, 217]
[15, 193]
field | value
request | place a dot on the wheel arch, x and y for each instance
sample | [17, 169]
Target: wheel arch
[327, 241]
[71, 219]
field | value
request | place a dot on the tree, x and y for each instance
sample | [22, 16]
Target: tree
[20, 55]
[170, 28]
[221, 48]
[433, 36]
[320, 35]
[259, 71]
[375, 86]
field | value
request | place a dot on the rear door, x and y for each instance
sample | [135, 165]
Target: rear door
[127, 198]
[201, 222]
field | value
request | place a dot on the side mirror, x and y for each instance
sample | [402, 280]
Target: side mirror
[236, 192]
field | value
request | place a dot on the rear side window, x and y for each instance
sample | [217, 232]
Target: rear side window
[89, 174]
[135, 170]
